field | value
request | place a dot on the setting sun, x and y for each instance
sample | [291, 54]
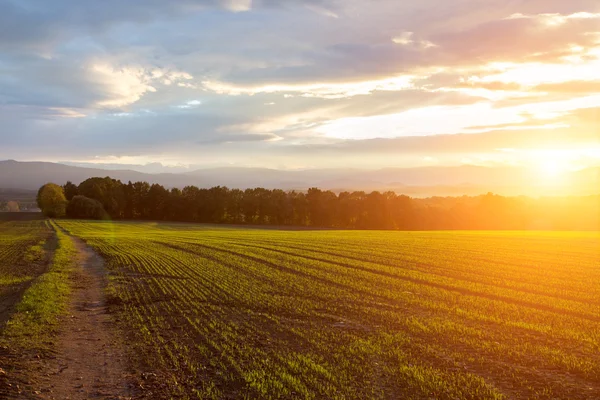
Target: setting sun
[552, 168]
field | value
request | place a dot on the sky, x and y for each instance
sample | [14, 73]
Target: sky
[301, 84]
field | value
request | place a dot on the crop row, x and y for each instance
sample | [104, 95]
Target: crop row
[332, 314]
[21, 251]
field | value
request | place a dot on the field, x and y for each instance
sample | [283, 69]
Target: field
[20, 217]
[213, 312]
[22, 258]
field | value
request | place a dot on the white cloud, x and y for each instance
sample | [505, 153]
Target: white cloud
[585, 68]
[320, 90]
[62, 112]
[190, 104]
[237, 5]
[122, 86]
[555, 19]
[426, 44]
[316, 60]
[455, 119]
[407, 39]
[404, 39]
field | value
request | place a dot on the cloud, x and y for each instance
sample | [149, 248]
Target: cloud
[237, 5]
[173, 79]
[578, 87]
[319, 9]
[322, 90]
[190, 104]
[448, 144]
[121, 86]
[517, 39]
[91, 84]
[407, 39]
[456, 119]
[555, 19]
[474, 49]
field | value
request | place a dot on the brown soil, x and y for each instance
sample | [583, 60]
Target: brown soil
[90, 360]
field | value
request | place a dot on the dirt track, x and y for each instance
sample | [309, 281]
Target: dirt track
[90, 360]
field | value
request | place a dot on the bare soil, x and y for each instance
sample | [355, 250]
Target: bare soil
[90, 360]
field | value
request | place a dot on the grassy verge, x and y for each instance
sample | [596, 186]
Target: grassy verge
[36, 319]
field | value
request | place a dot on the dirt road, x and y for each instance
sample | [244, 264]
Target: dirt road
[90, 360]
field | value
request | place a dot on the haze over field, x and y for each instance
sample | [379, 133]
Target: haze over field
[416, 182]
[319, 84]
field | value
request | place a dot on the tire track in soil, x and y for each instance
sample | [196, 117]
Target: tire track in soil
[90, 360]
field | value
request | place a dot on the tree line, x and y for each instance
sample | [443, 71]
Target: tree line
[107, 198]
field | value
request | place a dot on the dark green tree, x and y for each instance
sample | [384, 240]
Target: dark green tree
[71, 190]
[109, 192]
[82, 207]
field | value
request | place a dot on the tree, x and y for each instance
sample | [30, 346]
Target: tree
[351, 209]
[234, 206]
[321, 207]
[250, 206]
[282, 212]
[71, 190]
[402, 211]
[175, 206]
[85, 208]
[299, 208]
[190, 200]
[52, 201]
[377, 212]
[139, 198]
[109, 192]
[12, 206]
[157, 202]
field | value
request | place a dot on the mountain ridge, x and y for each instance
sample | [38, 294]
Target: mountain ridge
[419, 181]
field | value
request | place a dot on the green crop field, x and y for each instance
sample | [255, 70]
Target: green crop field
[214, 312]
[21, 250]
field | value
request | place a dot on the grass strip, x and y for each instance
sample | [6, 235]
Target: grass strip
[36, 320]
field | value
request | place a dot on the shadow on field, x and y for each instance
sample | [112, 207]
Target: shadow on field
[21, 216]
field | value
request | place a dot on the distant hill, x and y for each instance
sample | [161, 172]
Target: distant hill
[32, 175]
[417, 182]
[17, 194]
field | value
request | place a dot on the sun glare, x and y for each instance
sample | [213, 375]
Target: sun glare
[553, 165]
[552, 168]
